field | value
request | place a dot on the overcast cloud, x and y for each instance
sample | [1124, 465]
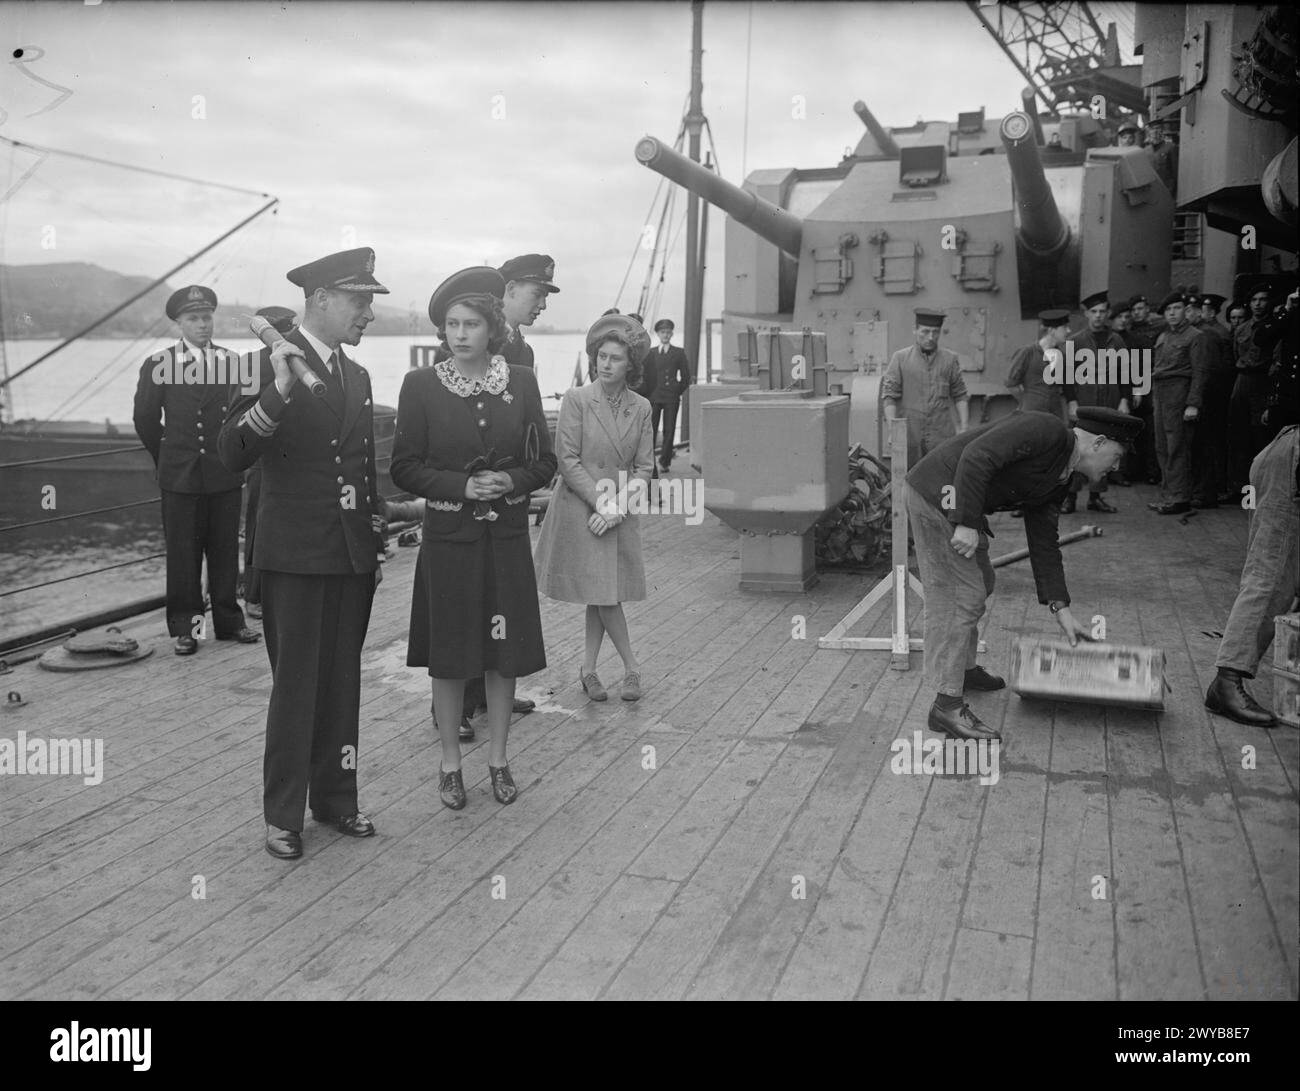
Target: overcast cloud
[379, 117]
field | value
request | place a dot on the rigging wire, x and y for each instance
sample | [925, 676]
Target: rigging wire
[656, 254]
[665, 216]
[121, 362]
[749, 52]
[140, 294]
[132, 167]
[668, 254]
[713, 149]
[636, 247]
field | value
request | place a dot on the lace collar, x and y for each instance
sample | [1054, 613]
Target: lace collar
[494, 382]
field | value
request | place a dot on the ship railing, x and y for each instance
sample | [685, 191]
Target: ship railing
[116, 613]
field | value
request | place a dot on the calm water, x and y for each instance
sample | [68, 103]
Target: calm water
[95, 381]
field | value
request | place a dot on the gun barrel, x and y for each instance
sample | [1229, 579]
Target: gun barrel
[1027, 96]
[773, 223]
[1042, 229]
[878, 132]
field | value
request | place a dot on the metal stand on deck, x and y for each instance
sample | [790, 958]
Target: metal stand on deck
[900, 643]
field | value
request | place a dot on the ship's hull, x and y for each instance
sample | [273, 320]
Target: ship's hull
[99, 466]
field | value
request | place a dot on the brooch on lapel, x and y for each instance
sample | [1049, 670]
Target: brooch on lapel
[507, 397]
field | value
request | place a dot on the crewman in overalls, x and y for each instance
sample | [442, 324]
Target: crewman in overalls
[923, 383]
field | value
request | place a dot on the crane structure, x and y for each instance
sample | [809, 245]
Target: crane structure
[1063, 54]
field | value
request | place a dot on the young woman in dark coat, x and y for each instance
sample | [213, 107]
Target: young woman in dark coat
[472, 440]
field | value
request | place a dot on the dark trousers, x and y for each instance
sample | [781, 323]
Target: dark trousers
[1247, 435]
[1210, 439]
[670, 428]
[196, 525]
[1173, 439]
[1140, 464]
[252, 577]
[315, 626]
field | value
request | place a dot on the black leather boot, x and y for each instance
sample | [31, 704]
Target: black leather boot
[1228, 697]
[959, 723]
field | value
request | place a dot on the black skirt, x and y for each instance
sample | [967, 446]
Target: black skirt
[474, 608]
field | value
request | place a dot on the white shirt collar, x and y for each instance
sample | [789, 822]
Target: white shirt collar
[193, 349]
[318, 346]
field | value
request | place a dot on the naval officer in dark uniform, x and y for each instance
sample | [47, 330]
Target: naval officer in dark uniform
[528, 284]
[672, 377]
[316, 547]
[283, 320]
[1097, 338]
[180, 406]
[1026, 460]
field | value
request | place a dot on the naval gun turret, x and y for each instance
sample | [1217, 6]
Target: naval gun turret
[972, 218]
[761, 216]
[1042, 231]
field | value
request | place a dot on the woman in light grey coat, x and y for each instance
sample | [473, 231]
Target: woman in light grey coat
[590, 546]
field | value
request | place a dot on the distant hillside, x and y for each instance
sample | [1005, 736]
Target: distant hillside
[57, 300]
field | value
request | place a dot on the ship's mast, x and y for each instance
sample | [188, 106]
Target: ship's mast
[694, 273]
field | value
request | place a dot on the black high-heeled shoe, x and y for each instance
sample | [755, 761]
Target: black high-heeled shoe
[503, 784]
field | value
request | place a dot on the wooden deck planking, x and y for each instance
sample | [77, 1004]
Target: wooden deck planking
[1156, 956]
[772, 762]
[832, 953]
[609, 721]
[758, 940]
[1214, 840]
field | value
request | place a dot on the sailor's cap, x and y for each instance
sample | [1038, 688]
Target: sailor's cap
[1111, 423]
[537, 268]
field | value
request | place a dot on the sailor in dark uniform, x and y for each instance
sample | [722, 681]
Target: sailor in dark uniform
[316, 547]
[1095, 338]
[1210, 437]
[1026, 460]
[1029, 371]
[180, 406]
[528, 283]
[1144, 329]
[1184, 360]
[283, 320]
[672, 374]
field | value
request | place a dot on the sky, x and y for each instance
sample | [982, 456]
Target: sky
[440, 134]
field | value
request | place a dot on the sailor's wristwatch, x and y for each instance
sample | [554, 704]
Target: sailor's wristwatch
[1056, 607]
